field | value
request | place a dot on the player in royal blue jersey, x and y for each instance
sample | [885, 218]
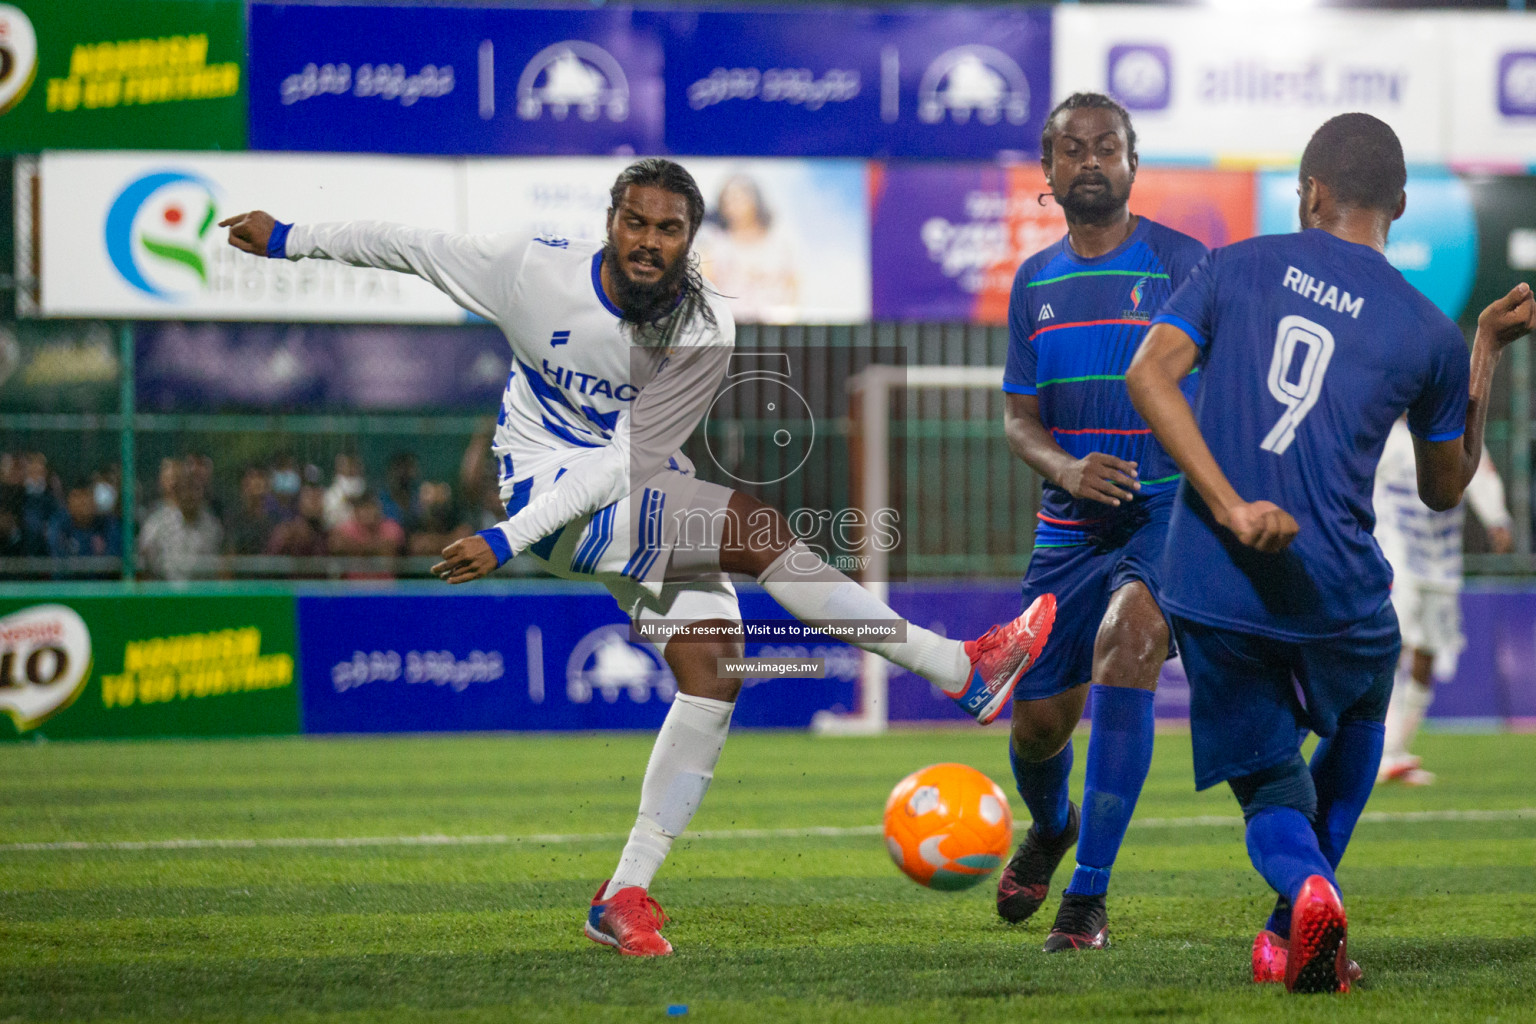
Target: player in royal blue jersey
[1079, 310]
[1309, 345]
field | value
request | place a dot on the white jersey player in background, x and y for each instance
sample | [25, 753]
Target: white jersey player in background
[1424, 548]
[618, 351]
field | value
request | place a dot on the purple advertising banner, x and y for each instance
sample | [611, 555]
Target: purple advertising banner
[951, 82]
[947, 239]
[184, 366]
[430, 79]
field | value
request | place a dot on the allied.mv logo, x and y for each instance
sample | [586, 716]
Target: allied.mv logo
[18, 56]
[973, 80]
[1517, 84]
[573, 75]
[1140, 75]
[157, 231]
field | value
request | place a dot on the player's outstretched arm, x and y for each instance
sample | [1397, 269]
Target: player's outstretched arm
[1445, 468]
[1096, 476]
[1165, 358]
[475, 271]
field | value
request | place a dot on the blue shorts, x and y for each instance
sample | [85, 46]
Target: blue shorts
[1252, 698]
[1083, 577]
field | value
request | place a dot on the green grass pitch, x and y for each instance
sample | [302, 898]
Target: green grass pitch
[770, 925]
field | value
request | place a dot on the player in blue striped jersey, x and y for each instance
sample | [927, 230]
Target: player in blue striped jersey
[1079, 310]
[1310, 346]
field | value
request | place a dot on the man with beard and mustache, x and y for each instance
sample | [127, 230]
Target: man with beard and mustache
[1077, 313]
[618, 352]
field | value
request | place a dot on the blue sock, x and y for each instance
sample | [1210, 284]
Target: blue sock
[1280, 918]
[1284, 850]
[1119, 754]
[1344, 771]
[1043, 786]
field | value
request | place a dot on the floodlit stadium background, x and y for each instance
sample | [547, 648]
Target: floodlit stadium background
[888, 154]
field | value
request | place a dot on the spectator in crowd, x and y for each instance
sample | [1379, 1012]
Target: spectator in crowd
[440, 521]
[11, 496]
[106, 486]
[81, 530]
[303, 535]
[346, 487]
[40, 500]
[366, 532]
[181, 538]
[254, 517]
[478, 482]
[283, 486]
[399, 498]
[200, 465]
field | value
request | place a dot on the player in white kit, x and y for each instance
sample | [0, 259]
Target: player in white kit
[618, 351]
[1424, 549]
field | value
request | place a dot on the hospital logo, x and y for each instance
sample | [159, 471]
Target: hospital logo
[573, 75]
[979, 81]
[157, 232]
[1140, 75]
[45, 660]
[1517, 84]
[18, 56]
[606, 662]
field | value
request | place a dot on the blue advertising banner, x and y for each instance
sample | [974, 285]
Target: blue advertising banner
[560, 657]
[545, 658]
[453, 80]
[957, 83]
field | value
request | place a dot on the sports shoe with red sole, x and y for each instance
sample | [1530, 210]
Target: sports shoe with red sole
[1270, 953]
[1317, 960]
[629, 920]
[1082, 922]
[1001, 656]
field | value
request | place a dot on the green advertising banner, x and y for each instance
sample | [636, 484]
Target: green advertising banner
[184, 665]
[110, 74]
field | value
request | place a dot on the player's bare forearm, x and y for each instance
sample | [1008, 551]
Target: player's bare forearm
[1447, 467]
[1096, 476]
[1165, 358]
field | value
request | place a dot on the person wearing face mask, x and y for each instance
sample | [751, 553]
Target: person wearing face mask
[81, 530]
[347, 486]
[283, 487]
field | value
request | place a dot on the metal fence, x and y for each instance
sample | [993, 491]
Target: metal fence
[967, 505]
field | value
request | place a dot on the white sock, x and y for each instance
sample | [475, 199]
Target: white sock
[815, 593]
[1410, 699]
[681, 767]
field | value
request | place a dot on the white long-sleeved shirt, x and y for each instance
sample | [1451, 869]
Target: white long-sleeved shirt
[1424, 546]
[587, 393]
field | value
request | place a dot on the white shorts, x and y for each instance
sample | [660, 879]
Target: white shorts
[631, 546]
[1430, 619]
